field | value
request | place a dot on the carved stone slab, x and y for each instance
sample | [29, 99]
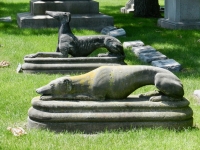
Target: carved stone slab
[143, 49]
[130, 44]
[97, 116]
[169, 64]
[149, 57]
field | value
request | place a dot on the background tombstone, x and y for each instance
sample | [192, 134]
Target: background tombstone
[85, 14]
[129, 7]
[181, 14]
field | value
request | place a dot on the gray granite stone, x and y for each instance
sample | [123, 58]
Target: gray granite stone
[169, 64]
[143, 49]
[117, 32]
[151, 56]
[107, 29]
[130, 44]
[6, 19]
[181, 14]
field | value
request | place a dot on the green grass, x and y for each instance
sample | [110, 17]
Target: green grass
[17, 90]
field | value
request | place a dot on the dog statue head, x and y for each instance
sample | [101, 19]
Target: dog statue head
[63, 17]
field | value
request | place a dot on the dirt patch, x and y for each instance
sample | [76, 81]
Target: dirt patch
[4, 64]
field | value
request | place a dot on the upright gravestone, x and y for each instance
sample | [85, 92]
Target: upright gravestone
[85, 14]
[129, 7]
[181, 14]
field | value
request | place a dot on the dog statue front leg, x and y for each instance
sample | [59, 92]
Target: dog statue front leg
[163, 98]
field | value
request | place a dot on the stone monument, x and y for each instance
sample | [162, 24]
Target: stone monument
[78, 47]
[129, 7]
[100, 100]
[85, 14]
[181, 14]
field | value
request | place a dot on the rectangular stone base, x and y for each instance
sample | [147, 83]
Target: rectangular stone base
[95, 127]
[79, 21]
[165, 23]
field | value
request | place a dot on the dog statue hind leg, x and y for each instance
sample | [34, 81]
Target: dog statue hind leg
[169, 88]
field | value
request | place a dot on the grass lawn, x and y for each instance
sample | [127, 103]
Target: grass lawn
[17, 90]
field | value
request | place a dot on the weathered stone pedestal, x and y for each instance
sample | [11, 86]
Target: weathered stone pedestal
[68, 65]
[181, 14]
[85, 15]
[97, 116]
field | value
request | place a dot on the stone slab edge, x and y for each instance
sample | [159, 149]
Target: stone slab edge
[165, 23]
[80, 21]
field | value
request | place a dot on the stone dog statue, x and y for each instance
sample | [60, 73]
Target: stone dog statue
[114, 82]
[79, 46]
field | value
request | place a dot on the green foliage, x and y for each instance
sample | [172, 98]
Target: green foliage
[17, 90]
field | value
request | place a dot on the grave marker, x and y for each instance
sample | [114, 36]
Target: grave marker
[181, 14]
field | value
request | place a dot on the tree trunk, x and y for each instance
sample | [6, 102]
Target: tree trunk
[146, 8]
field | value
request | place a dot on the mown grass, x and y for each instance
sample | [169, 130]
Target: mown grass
[17, 90]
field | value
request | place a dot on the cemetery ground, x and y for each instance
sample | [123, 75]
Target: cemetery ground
[17, 90]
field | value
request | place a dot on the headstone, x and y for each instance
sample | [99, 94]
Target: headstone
[143, 49]
[117, 32]
[169, 64]
[129, 7]
[107, 29]
[130, 44]
[85, 15]
[181, 14]
[6, 19]
[152, 56]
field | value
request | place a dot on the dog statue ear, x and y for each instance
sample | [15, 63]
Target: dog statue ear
[69, 16]
[68, 84]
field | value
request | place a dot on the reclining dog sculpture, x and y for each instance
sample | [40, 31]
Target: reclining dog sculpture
[79, 46]
[114, 82]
